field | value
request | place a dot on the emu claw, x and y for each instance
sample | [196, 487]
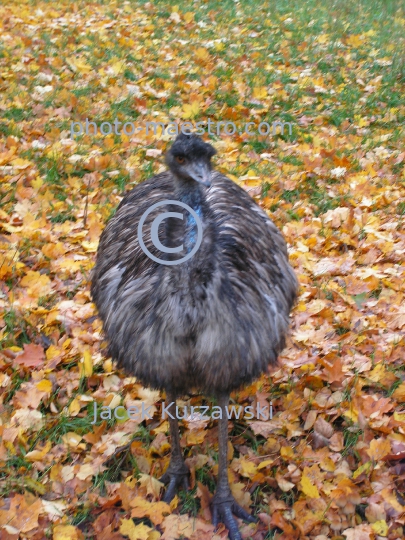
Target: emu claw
[174, 481]
[222, 510]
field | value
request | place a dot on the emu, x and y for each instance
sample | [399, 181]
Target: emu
[210, 324]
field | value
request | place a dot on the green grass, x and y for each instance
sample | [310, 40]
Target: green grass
[351, 436]
[190, 504]
[16, 328]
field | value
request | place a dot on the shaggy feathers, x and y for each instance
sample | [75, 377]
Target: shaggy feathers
[212, 323]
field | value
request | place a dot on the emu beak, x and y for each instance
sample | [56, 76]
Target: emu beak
[200, 172]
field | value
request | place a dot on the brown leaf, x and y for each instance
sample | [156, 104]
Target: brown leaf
[22, 515]
[205, 499]
[175, 526]
[361, 532]
[323, 428]
[379, 448]
[33, 356]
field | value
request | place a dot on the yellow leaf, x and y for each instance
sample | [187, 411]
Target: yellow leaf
[135, 532]
[45, 386]
[379, 448]
[156, 511]
[37, 183]
[196, 437]
[265, 463]
[152, 486]
[74, 407]
[219, 46]
[286, 452]
[90, 246]
[118, 67]
[191, 110]
[202, 53]
[247, 468]
[399, 393]
[21, 163]
[352, 414]
[37, 284]
[322, 38]
[52, 352]
[87, 470]
[34, 485]
[260, 92]
[389, 497]
[72, 439]
[78, 65]
[38, 455]
[399, 417]
[241, 495]
[327, 464]
[380, 527]
[54, 250]
[173, 504]
[308, 488]
[188, 17]
[86, 365]
[363, 468]
[355, 40]
[66, 532]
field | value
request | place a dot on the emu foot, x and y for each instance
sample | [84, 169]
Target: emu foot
[175, 478]
[223, 508]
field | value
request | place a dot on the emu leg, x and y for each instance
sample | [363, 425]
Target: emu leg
[176, 475]
[223, 503]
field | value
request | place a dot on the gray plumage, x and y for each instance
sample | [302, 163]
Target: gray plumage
[212, 323]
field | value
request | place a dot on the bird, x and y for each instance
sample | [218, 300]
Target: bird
[182, 320]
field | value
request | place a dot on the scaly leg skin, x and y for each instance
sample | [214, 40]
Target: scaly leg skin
[224, 505]
[176, 475]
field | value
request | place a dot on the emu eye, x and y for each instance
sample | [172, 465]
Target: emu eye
[180, 159]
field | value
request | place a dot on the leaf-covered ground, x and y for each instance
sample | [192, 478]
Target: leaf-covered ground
[331, 462]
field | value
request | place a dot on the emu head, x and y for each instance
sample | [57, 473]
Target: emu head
[189, 158]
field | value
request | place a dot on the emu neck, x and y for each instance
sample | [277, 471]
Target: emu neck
[193, 276]
[190, 193]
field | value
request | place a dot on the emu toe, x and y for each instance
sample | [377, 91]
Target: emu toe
[173, 482]
[223, 510]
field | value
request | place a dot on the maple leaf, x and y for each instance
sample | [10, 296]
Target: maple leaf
[155, 511]
[379, 448]
[37, 284]
[152, 486]
[22, 515]
[191, 110]
[67, 532]
[33, 356]
[188, 17]
[135, 532]
[361, 532]
[202, 53]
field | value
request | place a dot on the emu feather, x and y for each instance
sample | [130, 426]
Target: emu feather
[212, 323]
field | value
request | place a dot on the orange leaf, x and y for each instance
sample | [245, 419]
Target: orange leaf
[32, 357]
[379, 448]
